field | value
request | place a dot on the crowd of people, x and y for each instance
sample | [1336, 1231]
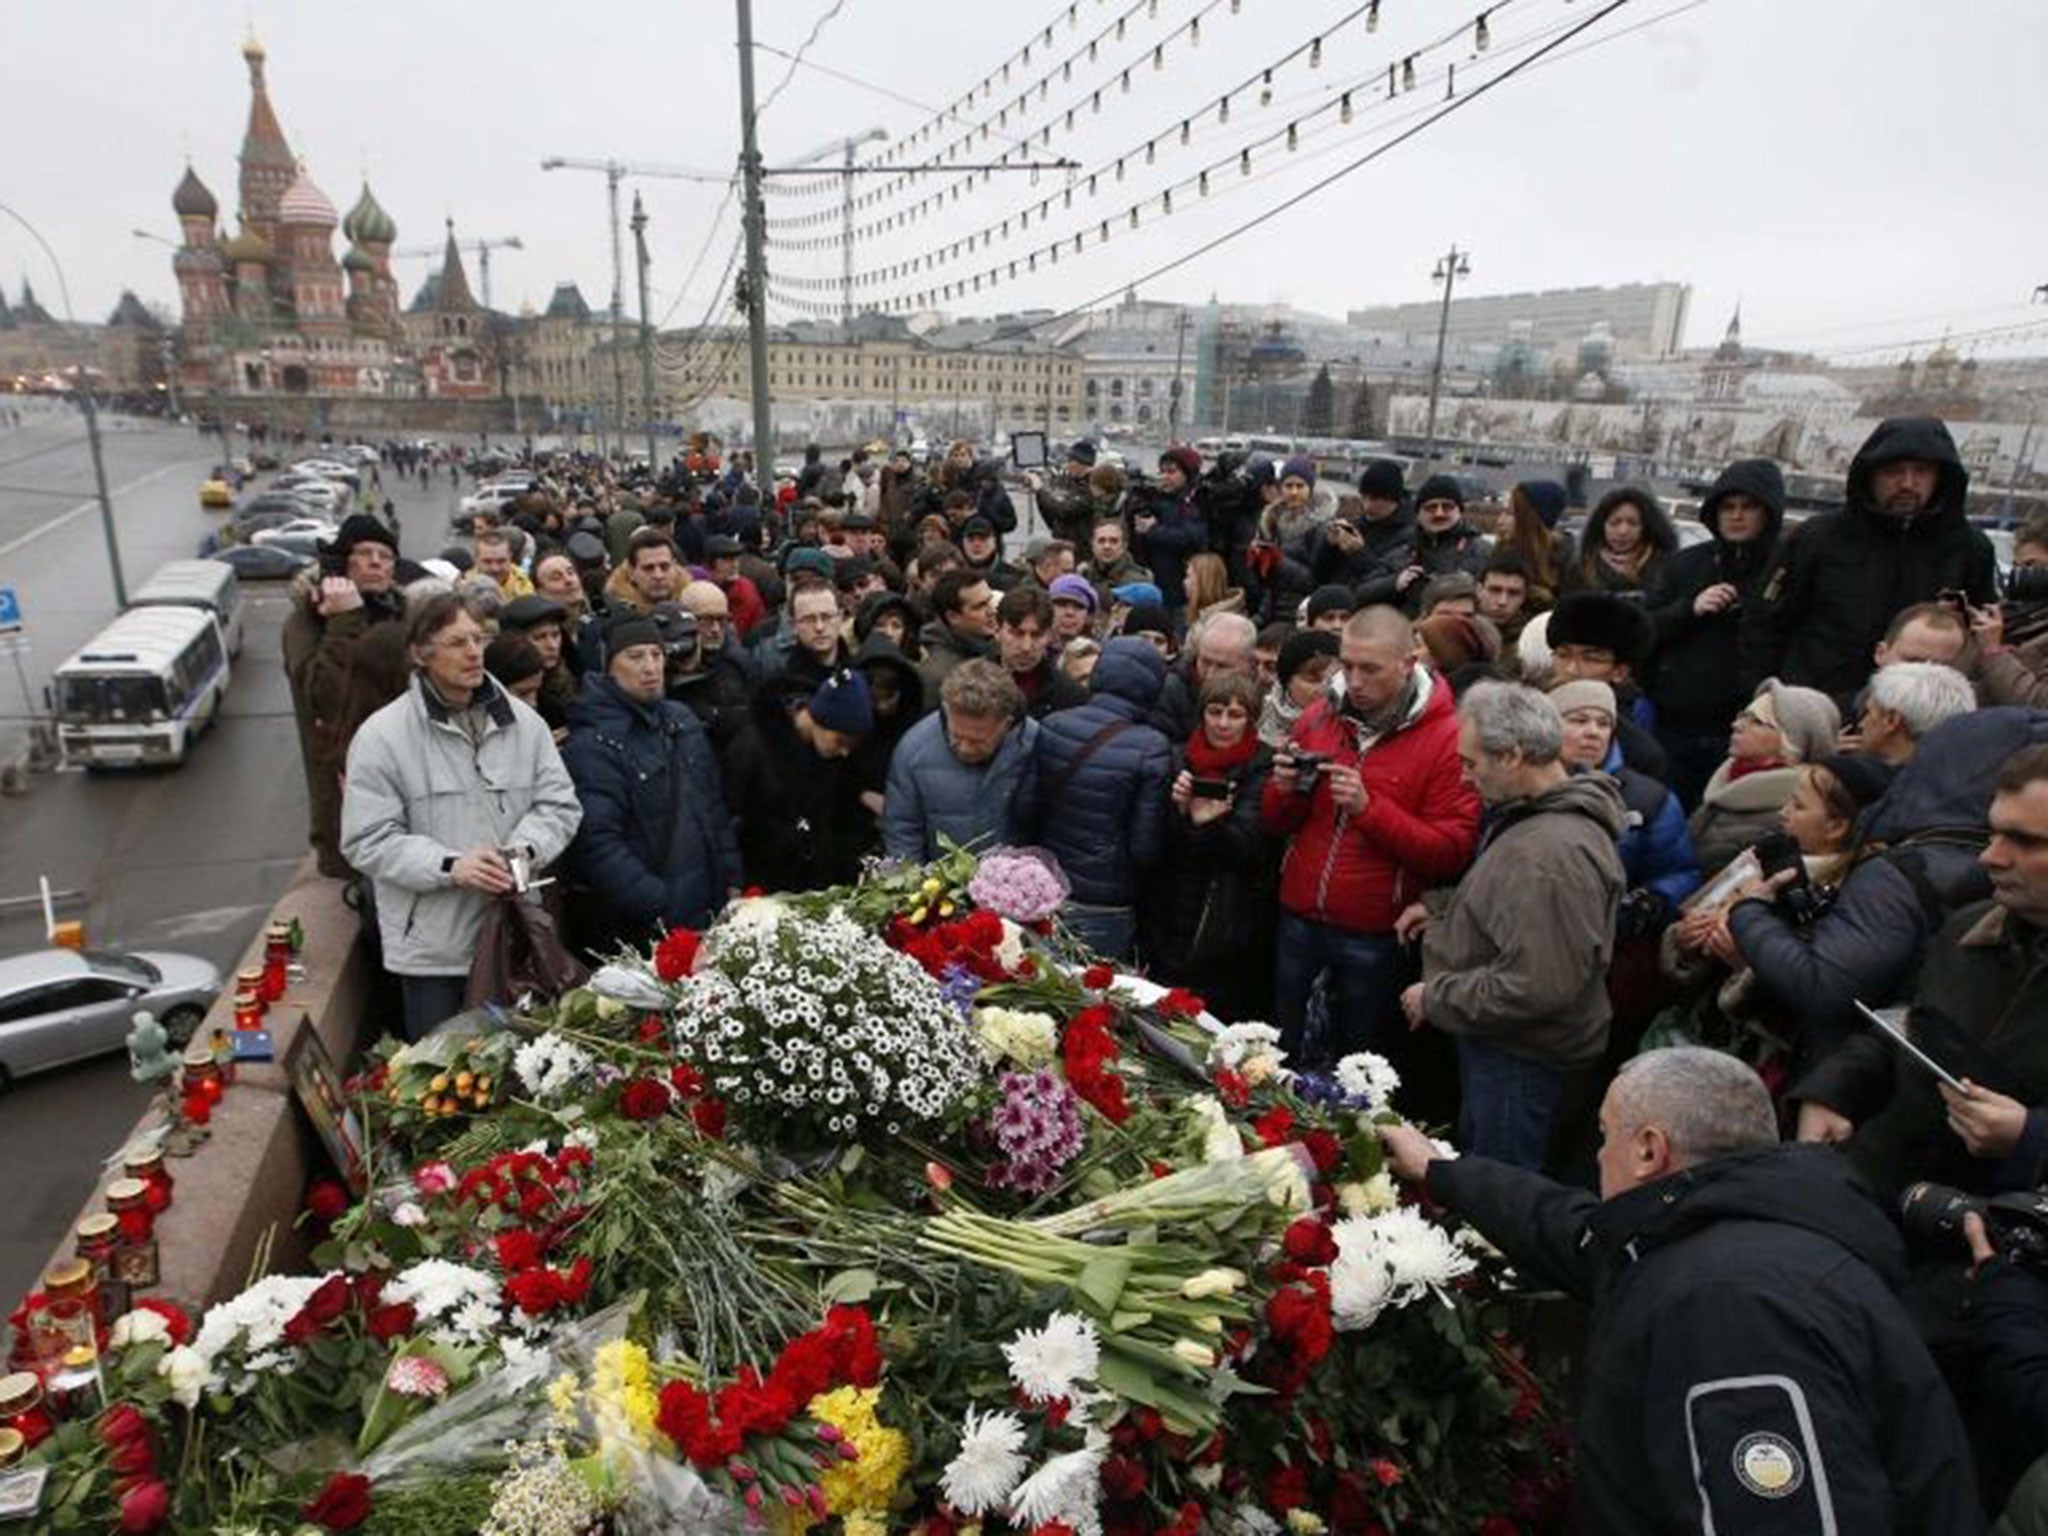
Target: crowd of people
[1518, 795]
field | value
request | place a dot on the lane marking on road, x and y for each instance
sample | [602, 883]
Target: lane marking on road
[84, 507]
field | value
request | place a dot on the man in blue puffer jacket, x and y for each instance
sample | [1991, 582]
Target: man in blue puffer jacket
[656, 849]
[964, 773]
[1102, 781]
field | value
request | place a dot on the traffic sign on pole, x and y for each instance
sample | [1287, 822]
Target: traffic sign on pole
[10, 609]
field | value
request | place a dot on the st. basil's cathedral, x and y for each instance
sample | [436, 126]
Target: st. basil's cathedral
[269, 311]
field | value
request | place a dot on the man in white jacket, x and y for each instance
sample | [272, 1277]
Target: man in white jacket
[445, 785]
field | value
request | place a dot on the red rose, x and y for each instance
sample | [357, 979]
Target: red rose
[1275, 1126]
[1385, 1472]
[327, 1200]
[1096, 977]
[330, 1300]
[709, 1115]
[1308, 1241]
[342, 1505]
[644, 1099]
[144, 1508]
[132, 1458]
[517, 1249]
[1287, 1487]
[387, 1323]
[121, 1424]
[369, 1289]
[686, 1079]
[676, 955]
[650, 1030]
[1123, 1479]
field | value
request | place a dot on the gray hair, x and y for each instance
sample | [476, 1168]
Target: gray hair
[981, 690]
[1232, 627]
[1922, 693]
[1708, 1103]
[1510, 717]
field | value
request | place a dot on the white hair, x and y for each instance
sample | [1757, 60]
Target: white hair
[1233, 626]
[1708, 1103]
[1511, 717]
[1922, 693]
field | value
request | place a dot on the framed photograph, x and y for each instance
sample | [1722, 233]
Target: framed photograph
[317, 1085]
[1027, 450]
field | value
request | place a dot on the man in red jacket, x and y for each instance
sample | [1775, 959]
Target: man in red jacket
[1371, 798]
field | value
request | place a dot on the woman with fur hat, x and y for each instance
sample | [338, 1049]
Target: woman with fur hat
[1780, 728]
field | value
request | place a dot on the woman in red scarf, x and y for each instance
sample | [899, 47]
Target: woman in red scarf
[1209, 918]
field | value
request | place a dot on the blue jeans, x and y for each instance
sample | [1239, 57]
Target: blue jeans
[1363, 975]
[1508, 1104]
[1108, 931]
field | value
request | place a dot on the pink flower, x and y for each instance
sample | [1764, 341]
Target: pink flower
[416, 1376]
[434, 1178]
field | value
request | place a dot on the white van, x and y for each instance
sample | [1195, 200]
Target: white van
[140, 690]
[208, 584]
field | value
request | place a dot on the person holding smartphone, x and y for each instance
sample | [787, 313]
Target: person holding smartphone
[1209, 917]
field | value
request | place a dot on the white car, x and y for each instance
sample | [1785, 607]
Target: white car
[330, 469]
[493, 498]
[322, 495]
[362, 453]
[301, 536]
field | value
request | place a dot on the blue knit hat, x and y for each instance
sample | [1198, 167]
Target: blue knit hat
[842, 703]
[1299, 467]
[1547, 497]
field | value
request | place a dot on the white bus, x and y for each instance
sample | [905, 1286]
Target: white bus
[207, 584]
[142, 689]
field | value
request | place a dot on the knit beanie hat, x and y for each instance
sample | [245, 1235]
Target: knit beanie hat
[1074, 589]
[842, 703]
[1331, 599]
[1148, 619]
[1805, 717]
[1865, 778]
[1547, 497]
[1188, 459]
[628, 632]
[1300, 467]
[1441, 488]
[1382, 480]
[1301, 648]
[1082, 451]
[1583, 693]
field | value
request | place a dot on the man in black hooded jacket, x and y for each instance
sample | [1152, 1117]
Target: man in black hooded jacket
[1901, 538]
[1748, 1366]
[1697, 610]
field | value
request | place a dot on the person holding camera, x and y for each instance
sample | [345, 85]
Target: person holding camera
[1370, 798]
[1749, 1368]
[2011, 665]
[656, 849]
[1209, 915]
[355, 591]
[452, 789]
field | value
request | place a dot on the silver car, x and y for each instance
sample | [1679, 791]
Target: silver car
[63, 1005]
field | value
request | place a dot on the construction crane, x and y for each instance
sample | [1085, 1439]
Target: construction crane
[616, 171]
[483, 249]
[841, 146]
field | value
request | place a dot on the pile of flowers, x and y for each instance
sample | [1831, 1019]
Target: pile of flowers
[872, 1210]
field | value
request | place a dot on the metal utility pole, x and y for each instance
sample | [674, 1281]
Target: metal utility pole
[618, 316]
[1448, 270]
[646, 332]
[1180, 347]
[754, 218]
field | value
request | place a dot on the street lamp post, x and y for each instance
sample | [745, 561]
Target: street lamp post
[92, 419]
[1448, 270]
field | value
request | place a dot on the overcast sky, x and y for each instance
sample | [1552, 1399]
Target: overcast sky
[1852, 173]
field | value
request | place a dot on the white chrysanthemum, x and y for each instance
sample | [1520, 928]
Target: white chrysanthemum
[255, 1319]
[1237, 1045]
[990, 1462]
[1220, 1141]
[1363, 1075]
[186, 1372]
[550, 1066]
[1049, 1362]
[141, 1326]
[1067, 1489]
[1390, 1260]
[453, 1300]
[1250, 1520]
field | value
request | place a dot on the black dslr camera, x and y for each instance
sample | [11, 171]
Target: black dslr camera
[1799, 899]
[2017, 1224]
[2025, 584]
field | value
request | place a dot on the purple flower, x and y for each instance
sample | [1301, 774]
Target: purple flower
[1023, 884]
[1038, 1129]
[961, 987]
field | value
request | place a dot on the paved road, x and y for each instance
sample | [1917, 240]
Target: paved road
[185, 859]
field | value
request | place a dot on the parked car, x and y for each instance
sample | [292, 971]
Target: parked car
[330, 469]
[63, 1005]
[261, 562]
[360, 453]
[302, 537]
[490, 498]
[215, 494]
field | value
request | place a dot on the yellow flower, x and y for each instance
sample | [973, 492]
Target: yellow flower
[622, 1396]
[562, 1393]
[1303, 1523]
[866, 1484]
[861, 1523]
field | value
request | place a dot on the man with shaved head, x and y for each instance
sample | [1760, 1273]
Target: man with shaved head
[1370, 797]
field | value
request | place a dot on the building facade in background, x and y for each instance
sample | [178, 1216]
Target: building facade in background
[1644, 320]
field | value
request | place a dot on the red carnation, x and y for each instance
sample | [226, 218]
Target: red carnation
[1180, 1001]
[1123, 1479]
[326, 1200]
[343, 1504]
[1232, 1088]
[1308, 1241]
[1275, 1126]
[644, 1099]
[709, 1115]
[1287, 1487]
[517, 1249]
[1096, 977]
[686, 1079]
[649, 1030]
[676, 955]
[1325, 1148]
[536, 1292]
[387, 1323]
[144, 1508]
